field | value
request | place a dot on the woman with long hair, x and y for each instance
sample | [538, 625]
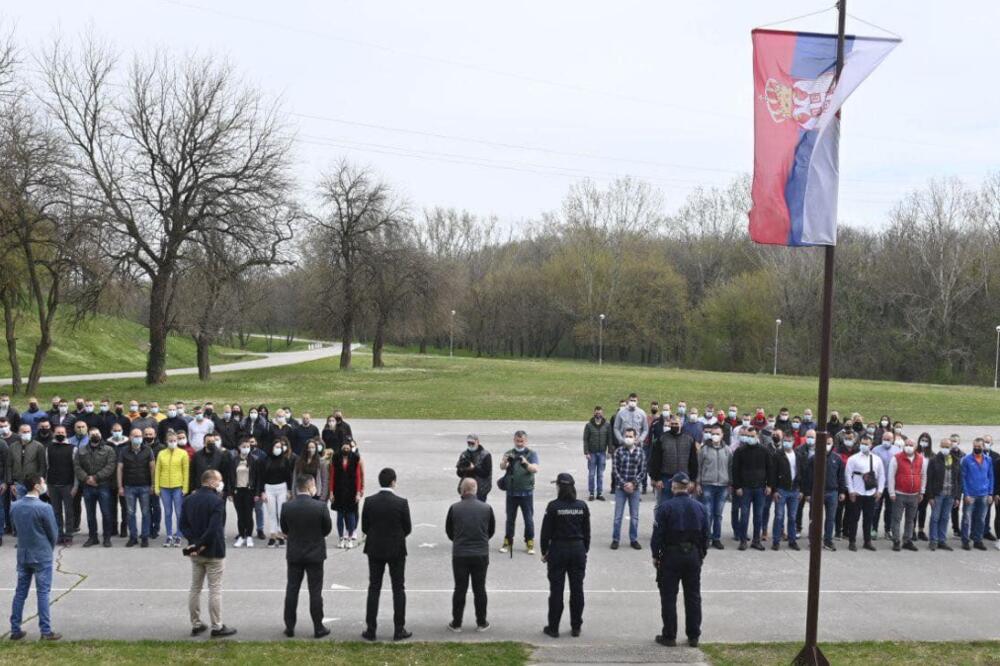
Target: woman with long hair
[311, 462]
[347, 487]
[274, 487]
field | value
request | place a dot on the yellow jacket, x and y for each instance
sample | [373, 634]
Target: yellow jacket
[172, 469]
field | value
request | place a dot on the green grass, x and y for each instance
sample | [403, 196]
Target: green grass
[258, 345]
[195, 653]
[102, 344]
[888, 653]
[436, 387]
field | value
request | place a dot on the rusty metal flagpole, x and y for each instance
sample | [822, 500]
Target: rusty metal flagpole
[811, 655]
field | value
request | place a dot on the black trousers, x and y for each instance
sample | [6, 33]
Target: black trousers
[314, 573]
[566, 559]
[680, 568]
[77, 509]
[863, 507]
[243, 501]
[464, 569]
[397, 575]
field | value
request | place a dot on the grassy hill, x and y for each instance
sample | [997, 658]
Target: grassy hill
[436, 387]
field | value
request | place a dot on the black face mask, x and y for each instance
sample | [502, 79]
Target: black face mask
[44, 432]
[118, 411]
[60, 438]
[675, 429]
[149, 440]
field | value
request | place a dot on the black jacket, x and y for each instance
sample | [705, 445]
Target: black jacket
[301, 435]
[470, 525]
[203, 521]
[565, 521]
[935, 476]
[61, 472]
[780, 473]
[135, 466]
[306, 522]
[229, 431]
[385, 520]
[661, 447]
[751, 466]
[481, 470]
[177, 424]
[834, 474]
[202, 461]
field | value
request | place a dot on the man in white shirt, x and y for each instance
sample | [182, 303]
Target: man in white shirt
[865, 477]
[198, 427]
[907, 483]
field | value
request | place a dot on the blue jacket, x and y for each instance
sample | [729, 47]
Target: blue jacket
[977, 480]
[203, 521]
[32, 418]
[696, 429]
[35, 523]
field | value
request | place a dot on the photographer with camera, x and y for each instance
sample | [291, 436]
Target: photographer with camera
[520, 465]
[476, 463]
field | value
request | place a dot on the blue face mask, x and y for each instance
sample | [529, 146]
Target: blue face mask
[787, 445]
[810, 440]
[865, 448]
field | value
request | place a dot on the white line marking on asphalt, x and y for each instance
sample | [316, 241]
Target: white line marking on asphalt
[334, 586]
[330, 620]
[427, 545]
[423, 525]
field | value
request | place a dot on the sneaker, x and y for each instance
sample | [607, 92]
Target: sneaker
[506, 546]
[281, 543]
[342, 543]
[260, 535]
[998, 545]
[454, 628]
[223, 631]
[51, 636]
[166, 542]
[763, 535]
[239, 543]
[828, 545]
[271, 543]
[177, 542]
[932, 545]
[485, 626]
[530, 546]
[756, 545]
[199, 629]
[353, 543]
[775, 546]
[249, 542]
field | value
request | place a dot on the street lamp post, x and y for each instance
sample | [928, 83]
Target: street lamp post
[996, 364]
[600, 340]
[777, 324]
[451, 336]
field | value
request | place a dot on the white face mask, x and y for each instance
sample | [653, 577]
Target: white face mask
[716, 438]
[219, 488]
[172, 444]
[253, 416]
[630, 442]
[278, 450]
[245, 450]
[472, 447]
[181, 442]
[43, 489]
[908, 450]
[172, 413]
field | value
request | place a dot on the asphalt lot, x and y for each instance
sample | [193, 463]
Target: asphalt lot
[748, 596]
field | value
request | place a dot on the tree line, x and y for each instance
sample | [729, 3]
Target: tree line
[163, 187]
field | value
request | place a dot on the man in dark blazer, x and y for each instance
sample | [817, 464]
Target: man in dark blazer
[306, 522]
[385, 520]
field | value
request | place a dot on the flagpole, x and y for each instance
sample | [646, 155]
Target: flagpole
[811, 655]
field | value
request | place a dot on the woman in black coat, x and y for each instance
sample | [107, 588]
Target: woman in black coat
[347, 487]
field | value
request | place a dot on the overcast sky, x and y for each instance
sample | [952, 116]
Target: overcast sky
[499, 107]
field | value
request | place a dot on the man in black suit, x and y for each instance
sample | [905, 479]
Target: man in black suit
[306, 522]
[385, 520]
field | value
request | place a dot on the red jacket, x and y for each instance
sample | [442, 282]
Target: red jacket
[908, 473]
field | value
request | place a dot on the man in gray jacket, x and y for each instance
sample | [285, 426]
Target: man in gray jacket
[597, 445]
[715, 462]
[95, 466]
[470, 525]
[27, 457]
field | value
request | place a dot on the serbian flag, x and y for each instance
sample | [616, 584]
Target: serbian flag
[797, 130]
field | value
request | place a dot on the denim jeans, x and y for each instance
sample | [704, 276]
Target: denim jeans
[621, 499]
[526, 504]
[595, 472]
[940, 512]
[976, 513]
[172, 498]
[42, 573]
[155, 516]
[138, 494]
[713, 498]
[752, 498]
[830, 500]
[766, 508]
[347, 523]
[92, 496]
[258, 514]
[3, 514]
[787, 499]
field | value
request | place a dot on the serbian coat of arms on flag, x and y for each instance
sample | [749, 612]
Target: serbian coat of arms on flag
[797, 130]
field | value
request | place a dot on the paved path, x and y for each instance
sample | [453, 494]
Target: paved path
[133, 594]
[263, 360]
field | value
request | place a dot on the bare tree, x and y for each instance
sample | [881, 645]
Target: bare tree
[357, 205]
[178, 151]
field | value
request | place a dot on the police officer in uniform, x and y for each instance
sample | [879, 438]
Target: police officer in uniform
[565, 542]
[679, 545]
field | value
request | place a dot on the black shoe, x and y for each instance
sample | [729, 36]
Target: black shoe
[666, 642]
[895, 546]
[775, 546]
[107, 542]
[600, 498]
[718, 545]
[693, 642]
[743, 545]
[401, 635]
[852, 546]
[289, 632]
[92, 541]
[989, 536]
[614, 545]
[281, 543]
[868, 546]
[638, 546]
[575, 632]
[957, 533]
[130, 543]
[756, 545]
[932, 545]
[223, 631]
[944, 546]
[51, 636]
[200, 629]
[321, 632]
[144, 543]
[551, 633]
[909, 546]
[793, 545]
[979, 545]
[260, 535]
[590, 498]
[368, 634]
[828, 545]
[921, 536]
[966, 546]
[16, 636]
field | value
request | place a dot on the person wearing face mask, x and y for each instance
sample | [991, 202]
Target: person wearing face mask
[715, 463]
[105, 419]
[521, 465]
[274, 485]
[155, 511]
[475, 462]
[925, 449]
[8, 412]
[95, 465]
[598, 443]
[783, 423]
[33, 414]
[347, 487]
[675, 451]
[182, 412]
[241, 482]
[734, 504]
[865, 478]
[883, 426]
[907, 484]
[27, 458]
[79, 439]
[565, 542]
[751, 472]
[198, 428]
[254, 425]
[694, 427]
[995, 457]
[311, 463]
[62, 484]
[211, 456]
[629, 468]
[172, 422]
[957, 454]
[834, 489]
[61, 416]
[136, 469]
[119, 508]
[203, 523]
[304, 431]
[227, 427]
[944, 483]
[772, 443]
[977, 486]
[171, 484]
[281, 428]
[36, 529]
[886, 448]
[43, 432]
[786, 472]
[144, 419]
[630, 417]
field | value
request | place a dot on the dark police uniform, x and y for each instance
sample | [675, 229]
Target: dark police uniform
[679, 544]
[565, 541]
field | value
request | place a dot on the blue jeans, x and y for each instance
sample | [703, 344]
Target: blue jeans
[172, 498]
[42, 573]
[526, 504]
[753, 498]
[258, 514]
[92, 496]
[595, 472]
[3, 514]
[713, 498]
[976, 512]
[155, 516]
[632, 499]
[787, 499]
[830, 500]
[768, 500]
[347, 521]
[138, 494]
[939, 517]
